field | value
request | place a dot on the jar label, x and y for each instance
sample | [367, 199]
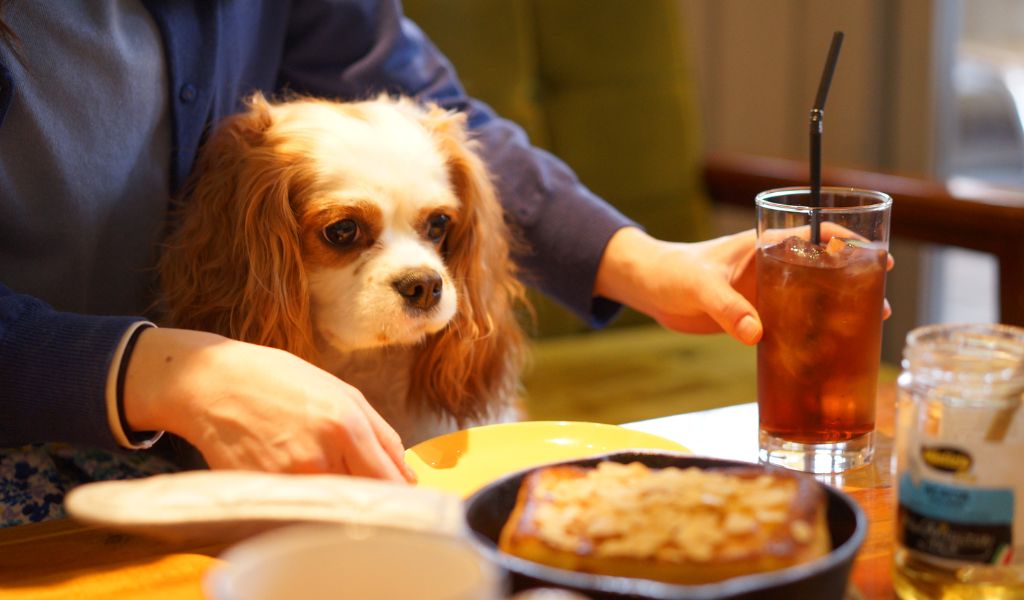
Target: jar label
[969, 524]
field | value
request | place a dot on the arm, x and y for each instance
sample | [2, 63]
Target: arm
[246, 406]
[702, 287]
[53, 372]
[580, 250]
[279, 412]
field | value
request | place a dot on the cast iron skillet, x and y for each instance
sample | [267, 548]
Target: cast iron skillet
[823, 579]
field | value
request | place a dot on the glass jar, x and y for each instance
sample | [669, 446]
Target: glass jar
[960, 464]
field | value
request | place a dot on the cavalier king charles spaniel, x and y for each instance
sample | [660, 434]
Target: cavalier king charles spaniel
[364, 237]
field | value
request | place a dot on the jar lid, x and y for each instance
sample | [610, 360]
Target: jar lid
[985, 355]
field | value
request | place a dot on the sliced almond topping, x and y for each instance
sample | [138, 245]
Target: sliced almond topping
[630, 510]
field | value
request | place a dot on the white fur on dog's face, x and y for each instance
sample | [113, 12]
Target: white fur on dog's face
[302, 215]
[380, 171]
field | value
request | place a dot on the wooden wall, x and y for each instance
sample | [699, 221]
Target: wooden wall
[759, 63]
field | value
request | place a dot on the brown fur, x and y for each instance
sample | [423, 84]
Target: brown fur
[235, 263]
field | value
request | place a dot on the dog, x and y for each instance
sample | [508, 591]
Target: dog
[365, 237]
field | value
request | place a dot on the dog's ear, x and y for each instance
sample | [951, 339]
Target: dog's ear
[477, 359]
[232, 264]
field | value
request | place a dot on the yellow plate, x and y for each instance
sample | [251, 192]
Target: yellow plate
[464, 461]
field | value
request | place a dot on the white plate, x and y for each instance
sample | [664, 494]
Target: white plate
[221, 506]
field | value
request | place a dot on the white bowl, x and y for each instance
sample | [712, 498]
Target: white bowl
[317, 561]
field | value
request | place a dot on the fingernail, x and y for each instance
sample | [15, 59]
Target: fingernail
[749, 330]
[410, 475]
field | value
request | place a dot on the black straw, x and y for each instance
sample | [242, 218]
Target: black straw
[817, 116]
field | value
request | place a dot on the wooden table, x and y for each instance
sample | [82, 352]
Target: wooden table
[62, 559]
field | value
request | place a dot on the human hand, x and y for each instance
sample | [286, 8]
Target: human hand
[704, 287]
[827, 231]
[245, 406]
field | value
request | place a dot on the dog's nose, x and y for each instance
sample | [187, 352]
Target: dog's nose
[421, 288]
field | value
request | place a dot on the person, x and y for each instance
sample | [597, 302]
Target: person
[102, 108]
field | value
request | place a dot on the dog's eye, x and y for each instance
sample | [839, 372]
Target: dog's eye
[437, 227]
[342, 233]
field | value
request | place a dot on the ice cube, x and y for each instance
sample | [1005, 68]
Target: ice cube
[859, 255]
[795, 250]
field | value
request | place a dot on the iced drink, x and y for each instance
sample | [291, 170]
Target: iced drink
[821, 306]
[817, 365]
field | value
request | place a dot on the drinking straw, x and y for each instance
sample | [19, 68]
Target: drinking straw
[817, 114]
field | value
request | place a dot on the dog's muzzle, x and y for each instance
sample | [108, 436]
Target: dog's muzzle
[420, 288]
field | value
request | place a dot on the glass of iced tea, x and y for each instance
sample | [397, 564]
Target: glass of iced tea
[821, 303]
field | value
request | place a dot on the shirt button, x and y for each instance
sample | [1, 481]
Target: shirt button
[187, 93]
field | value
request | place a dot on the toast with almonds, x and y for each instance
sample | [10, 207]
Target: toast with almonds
[681, 526]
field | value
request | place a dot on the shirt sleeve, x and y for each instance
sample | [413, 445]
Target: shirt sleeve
[54, 368]
[359, 48]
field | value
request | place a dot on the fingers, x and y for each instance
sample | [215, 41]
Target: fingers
[828, 230]
[389, 441]
[253, 407]
[363, 455]
[886, 308]
[738, 243]
[379, 448]
[733, 313]
[748, 330]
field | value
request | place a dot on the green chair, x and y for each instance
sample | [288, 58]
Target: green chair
[606, 86]
[603, 85]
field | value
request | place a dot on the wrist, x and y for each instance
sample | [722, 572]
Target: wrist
[164, 377]
[124, 434]
[620, 275]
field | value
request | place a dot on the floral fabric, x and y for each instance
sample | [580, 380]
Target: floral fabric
[35, 478]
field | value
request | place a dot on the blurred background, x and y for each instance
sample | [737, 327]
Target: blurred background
[635, 94]
[928, 88]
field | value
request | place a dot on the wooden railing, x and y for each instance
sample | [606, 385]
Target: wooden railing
[961, 212]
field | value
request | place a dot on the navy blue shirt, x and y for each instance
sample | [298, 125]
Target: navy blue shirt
[54, 365]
